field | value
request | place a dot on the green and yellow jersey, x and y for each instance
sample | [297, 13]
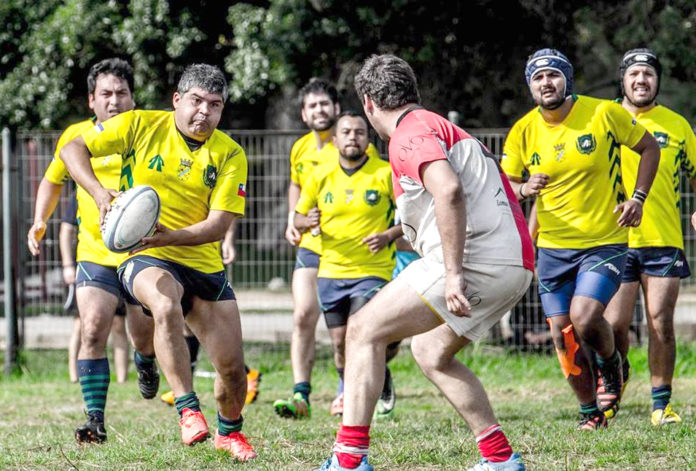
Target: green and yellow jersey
[305, 158]
[90, 247]
[189, 183]
[582, 158]
[661, 224]
[352, 207]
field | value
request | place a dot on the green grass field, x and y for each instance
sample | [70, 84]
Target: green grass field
[529, 394]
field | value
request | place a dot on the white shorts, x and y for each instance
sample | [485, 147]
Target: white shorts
[492, 290]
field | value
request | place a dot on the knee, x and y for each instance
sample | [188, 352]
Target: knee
[165, 309]
[557, 336]
[663, 325]
[429, 357]
[305, 320]
[91, 335]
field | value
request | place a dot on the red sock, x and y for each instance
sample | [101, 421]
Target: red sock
[352, 443]
[493, 444]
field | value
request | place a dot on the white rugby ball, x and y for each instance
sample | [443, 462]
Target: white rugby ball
[133, 215]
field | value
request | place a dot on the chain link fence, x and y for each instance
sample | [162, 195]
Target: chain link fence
[262, 271]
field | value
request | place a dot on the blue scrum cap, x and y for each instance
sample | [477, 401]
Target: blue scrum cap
[545, 59]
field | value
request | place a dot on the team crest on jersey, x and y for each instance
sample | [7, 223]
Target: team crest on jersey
[662, 139]
[210, 176]
[586, 144]
[559, 150]
[299, 167]
[184, 170]
[372, 197]
[349, 195]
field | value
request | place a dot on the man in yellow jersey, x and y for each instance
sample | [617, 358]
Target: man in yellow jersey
[656, 258]
[109, 86]
[200, 175]
[352, 202]
[570, 147]
[319, 106]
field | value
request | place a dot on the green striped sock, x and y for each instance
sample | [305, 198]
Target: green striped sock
[187, 401]
[94, 381]
[226, 426]
[589, 409]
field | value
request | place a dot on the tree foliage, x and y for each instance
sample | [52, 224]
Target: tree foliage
[461, 51]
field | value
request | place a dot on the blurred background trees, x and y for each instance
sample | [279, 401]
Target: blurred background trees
[468, 56]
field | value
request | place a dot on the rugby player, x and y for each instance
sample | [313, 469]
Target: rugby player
[200, 175]
[458, 211]
[656, 258]
[319, 108]
[110, 92]
[570, 146]
[352, 203]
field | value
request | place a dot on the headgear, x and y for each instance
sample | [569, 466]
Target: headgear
[640, 56]
[545, 59]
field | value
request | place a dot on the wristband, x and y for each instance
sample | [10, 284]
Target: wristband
[639, 196]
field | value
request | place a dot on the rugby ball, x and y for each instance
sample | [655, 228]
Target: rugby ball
[133, 215]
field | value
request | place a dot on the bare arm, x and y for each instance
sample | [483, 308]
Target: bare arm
[66, 237]
[378, 241]
[531, 187]
[76, 156]
[47, 197]
[211, 229]
[229, 253]
[292, 235]
[632, 209]
[442, 183]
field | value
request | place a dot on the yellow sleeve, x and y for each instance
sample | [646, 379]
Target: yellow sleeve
[229, 193]
[113, 136]
[308, 195]
[293, 171]
[513, 161]
[372, 151]
[688, 152]
[628, 131]
[56, 172]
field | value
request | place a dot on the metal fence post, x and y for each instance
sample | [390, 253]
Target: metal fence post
[8, 198]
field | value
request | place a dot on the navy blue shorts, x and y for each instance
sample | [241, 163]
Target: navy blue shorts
[206, 286]
[594, 273]
[99, 276]
[306, 259]
[341, 297]
[662, 262]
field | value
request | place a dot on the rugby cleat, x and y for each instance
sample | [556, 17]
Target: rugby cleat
[332, 465]
[337, 405]
[296, 407]
[609, 387]
[148, 379]
[253, 380]
[194, 428]
[236, 445]
[92, 431]
[514, 463]
[168, 398]
[594, 421]
[665, 416]
[387, 400]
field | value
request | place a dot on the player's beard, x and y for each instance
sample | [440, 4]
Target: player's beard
[643, 102]
[554, 104]
[353, 156]
[330, 121]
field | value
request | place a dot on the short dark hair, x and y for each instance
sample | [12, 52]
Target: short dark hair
[112, 66]
[319, 85]
[389, 82]
[204, 76]
[353, 114]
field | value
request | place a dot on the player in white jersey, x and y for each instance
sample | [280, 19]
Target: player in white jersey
[460, 214]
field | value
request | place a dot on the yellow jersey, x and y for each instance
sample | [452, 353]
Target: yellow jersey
[661, 224]
[352, 207]
[90, 247]
[304, 159]
[582, 158]
[189, 183]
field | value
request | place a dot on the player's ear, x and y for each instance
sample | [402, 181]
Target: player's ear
[337, 109]
[90, 101]
[368, 105]
[176, 99]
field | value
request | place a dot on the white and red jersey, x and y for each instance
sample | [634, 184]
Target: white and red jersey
[496, 230]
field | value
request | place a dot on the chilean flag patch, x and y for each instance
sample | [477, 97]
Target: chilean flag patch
[242, 190]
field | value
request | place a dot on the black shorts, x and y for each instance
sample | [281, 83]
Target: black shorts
[337, 296]
[206, 286]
